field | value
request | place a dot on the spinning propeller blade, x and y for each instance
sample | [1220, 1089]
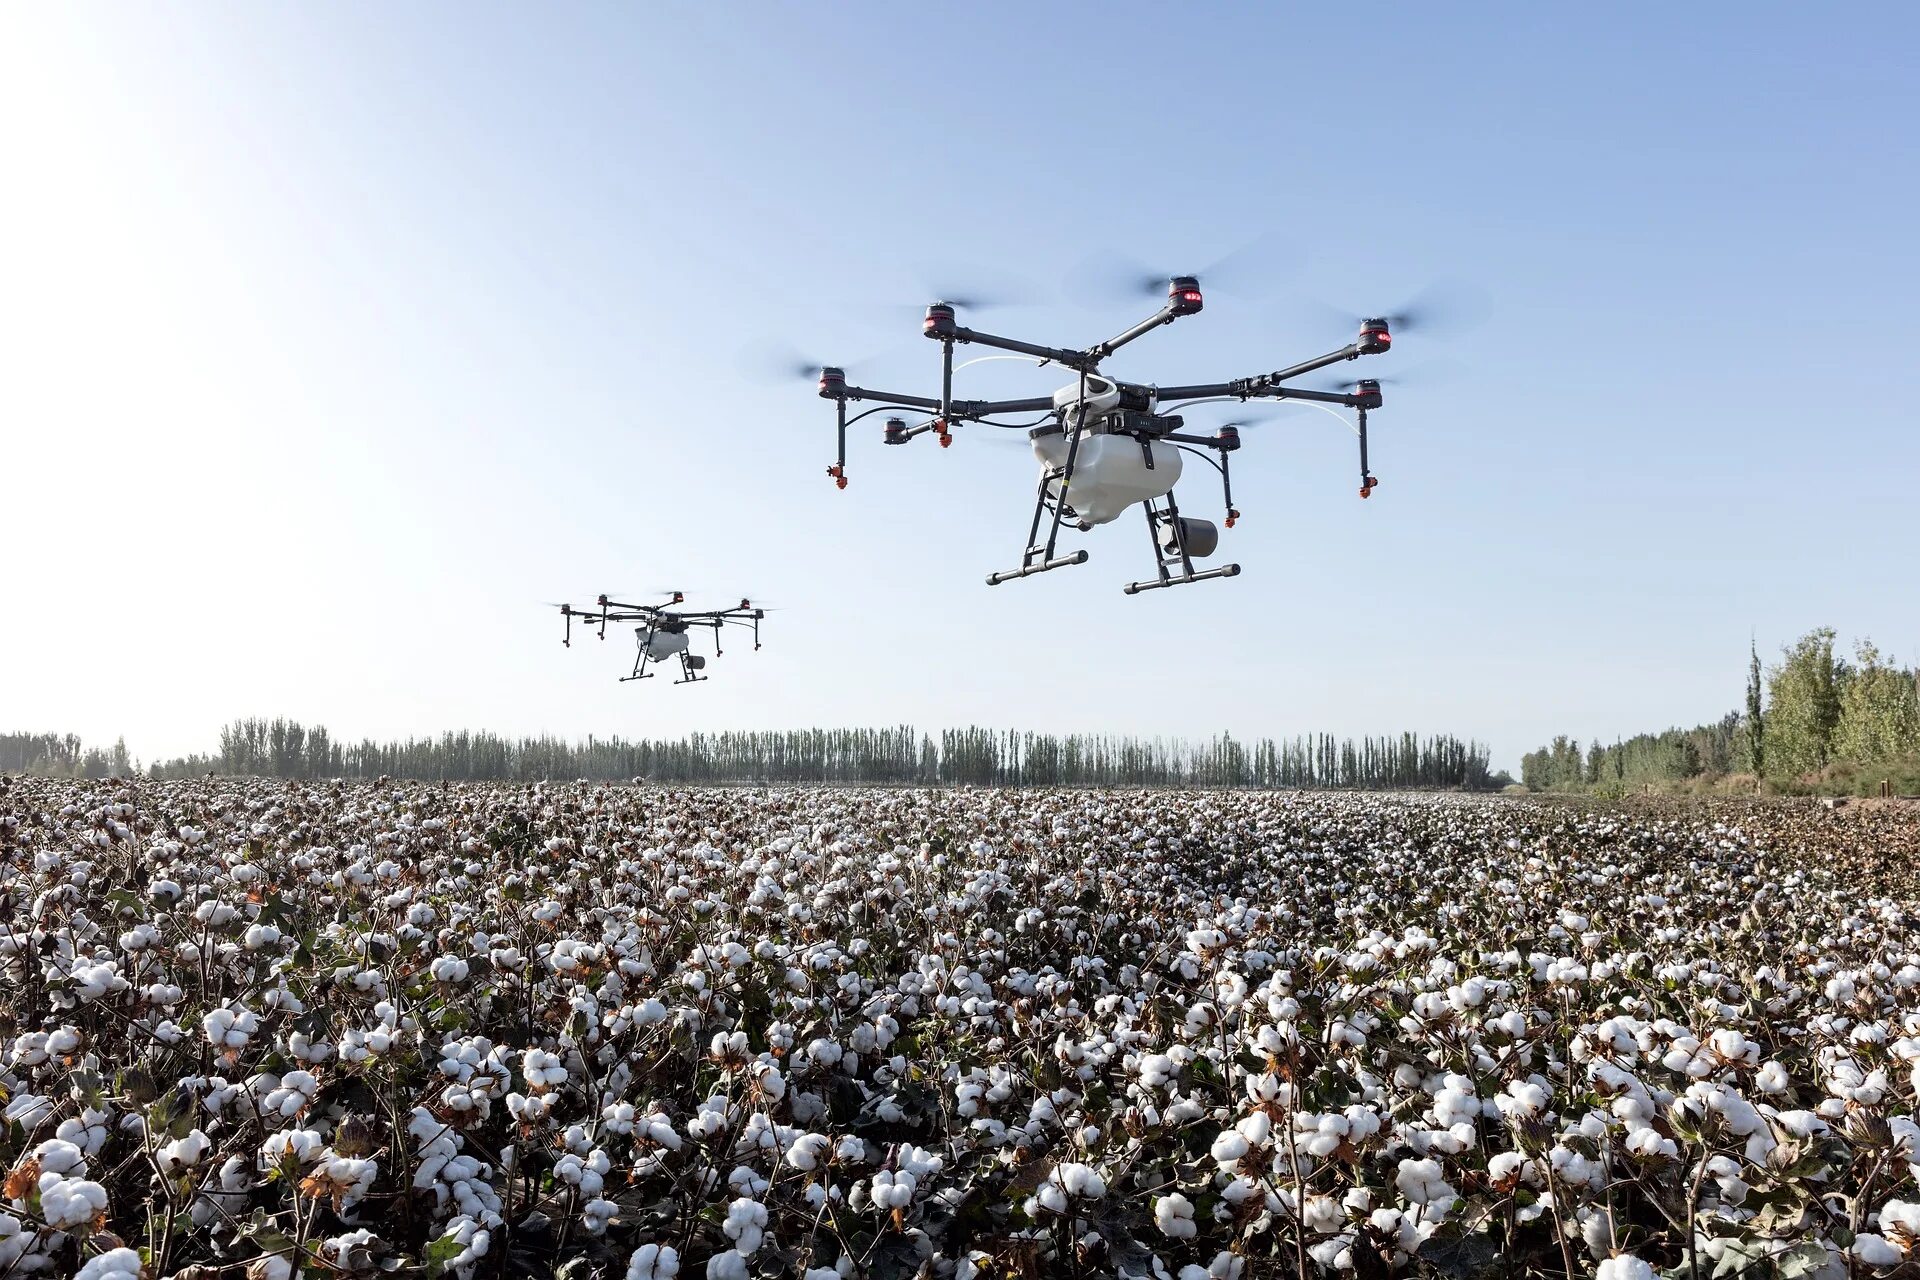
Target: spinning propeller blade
[1441, 309]
[1254, 270]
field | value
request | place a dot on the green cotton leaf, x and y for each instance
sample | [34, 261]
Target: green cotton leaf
[1801, 1260]
[1740, 1257]
[1461, 1258]
[441, 1252]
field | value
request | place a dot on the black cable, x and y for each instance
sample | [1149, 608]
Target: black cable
[1185, 448]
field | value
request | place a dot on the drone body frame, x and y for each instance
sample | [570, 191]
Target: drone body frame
[1118, 409]
[660, 622]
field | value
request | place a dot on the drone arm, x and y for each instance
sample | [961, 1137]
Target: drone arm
[890, 397]
[1247, 388]
[1080, 360]
[987, 408]
[1268, 384]
[1166, 315]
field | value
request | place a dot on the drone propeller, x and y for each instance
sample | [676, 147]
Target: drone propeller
[778, 362]
[1425, 374]
[1441, 308]
[1267, 419]
[1251, 271]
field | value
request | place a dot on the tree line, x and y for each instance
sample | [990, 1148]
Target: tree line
[977, 756]
[1814, 715]
[62, 756]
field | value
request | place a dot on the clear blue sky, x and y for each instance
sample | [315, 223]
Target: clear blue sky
[336, 338]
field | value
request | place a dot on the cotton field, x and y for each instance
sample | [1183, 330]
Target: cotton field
[259, 1029]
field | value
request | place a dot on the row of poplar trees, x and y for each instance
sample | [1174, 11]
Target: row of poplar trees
[62, 755]
[900, 755]
[1811, 710]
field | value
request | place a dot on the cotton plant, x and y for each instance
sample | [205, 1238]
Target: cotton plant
[1188, 1034]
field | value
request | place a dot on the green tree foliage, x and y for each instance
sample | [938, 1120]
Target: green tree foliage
[976, 756]
[1810, 711]
[1879, 714]
[1803, 705]
[57, 755]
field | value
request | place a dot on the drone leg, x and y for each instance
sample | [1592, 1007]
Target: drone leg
[1038, 558]
[640, 661]
[1176, 557]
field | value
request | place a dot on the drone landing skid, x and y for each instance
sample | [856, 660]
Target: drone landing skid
[1032, 566]
[1171, 555]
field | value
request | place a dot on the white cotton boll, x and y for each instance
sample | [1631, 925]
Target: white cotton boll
[1624, 1267]
[1648, 1144]
[297, 1145]
[1422, 1182]
[1080, 1180]
[727, 1265]
[184, 1153]
[1504, 1170]
[1900, 1220]
[114, 1264]
[767, 1078]
[892, 1190]
[449, 969]
[653, 1262]
[28, 1110]
[1229, 1148]
[1875, 1251]
[808, 1151]
[70, 1202]
[1173, 1214]
[1322, 1214]
[1048, 1196]
[543, 1070]
[57, 1155]
[1455, 1106]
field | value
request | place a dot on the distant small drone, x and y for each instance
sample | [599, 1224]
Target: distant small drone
[1104, 445]
[663, 631]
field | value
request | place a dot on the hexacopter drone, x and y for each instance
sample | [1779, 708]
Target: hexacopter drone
[663, 631]
[1106, 445]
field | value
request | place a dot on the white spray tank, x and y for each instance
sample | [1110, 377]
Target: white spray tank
[664, 644]
[1110, 473]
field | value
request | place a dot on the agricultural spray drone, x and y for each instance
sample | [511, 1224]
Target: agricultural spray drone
[663, 631]
[1105, 445]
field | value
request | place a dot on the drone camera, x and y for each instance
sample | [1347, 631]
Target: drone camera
[833, 383]
[939, 322]
[1374, 337]
[1183, 295]
[1368, 393]
[1229, 438]
[896, 431]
